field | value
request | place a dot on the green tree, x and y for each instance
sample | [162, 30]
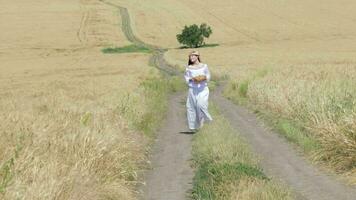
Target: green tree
[193, 35]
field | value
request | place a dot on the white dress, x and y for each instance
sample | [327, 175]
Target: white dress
[198, 96]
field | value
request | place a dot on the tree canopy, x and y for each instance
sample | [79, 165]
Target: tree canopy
[193, 35]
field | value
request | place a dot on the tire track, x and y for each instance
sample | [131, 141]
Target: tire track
[244, 33]
[82, 33]
[157, 58]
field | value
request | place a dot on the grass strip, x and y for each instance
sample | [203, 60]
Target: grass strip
[126, 49]
[226, 168]
[152, 92]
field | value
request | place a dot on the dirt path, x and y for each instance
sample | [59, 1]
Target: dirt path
[157, 58]
[280, 160]
[171, 175]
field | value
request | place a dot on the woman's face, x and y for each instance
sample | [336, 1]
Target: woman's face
[193, 58]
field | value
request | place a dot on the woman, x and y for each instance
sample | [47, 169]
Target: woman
[197, 76]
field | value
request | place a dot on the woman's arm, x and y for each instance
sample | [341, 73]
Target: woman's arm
[187, 76]
[207, 73]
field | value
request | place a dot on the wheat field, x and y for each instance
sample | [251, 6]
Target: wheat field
[65, 130]
[63, 102]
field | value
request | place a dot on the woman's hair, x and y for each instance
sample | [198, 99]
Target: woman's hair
[190, 62]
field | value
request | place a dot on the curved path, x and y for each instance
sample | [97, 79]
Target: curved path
[157, 58]
[171, 175]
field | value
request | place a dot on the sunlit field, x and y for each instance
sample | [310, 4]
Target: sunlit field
[77, 122]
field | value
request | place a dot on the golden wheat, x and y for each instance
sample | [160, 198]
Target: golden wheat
[63, 135]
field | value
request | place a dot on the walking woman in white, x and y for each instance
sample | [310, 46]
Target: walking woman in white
[197, 76]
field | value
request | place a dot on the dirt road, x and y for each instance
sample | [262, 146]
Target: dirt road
[171, 175]
[157, 58]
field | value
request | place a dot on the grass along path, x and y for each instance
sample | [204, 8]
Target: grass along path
[280, 160]
[226, 168]
[126, 49]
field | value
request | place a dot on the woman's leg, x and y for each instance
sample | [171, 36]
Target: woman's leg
[202, 105]
[191, 109]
